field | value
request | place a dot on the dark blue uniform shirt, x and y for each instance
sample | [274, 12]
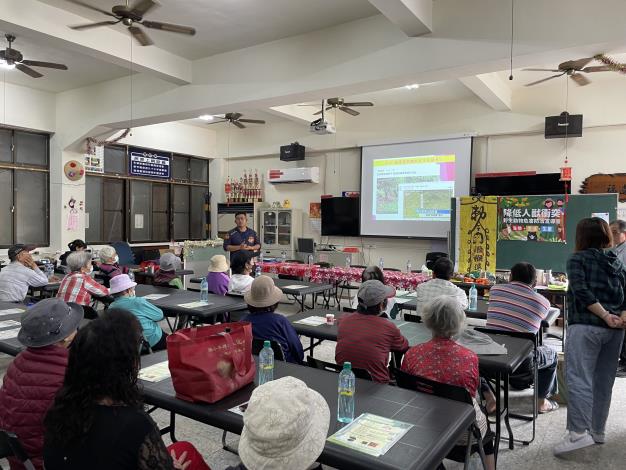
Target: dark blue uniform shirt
[235, 237]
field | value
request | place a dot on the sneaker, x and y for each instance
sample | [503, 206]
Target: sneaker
[573, 441]
[598, 437]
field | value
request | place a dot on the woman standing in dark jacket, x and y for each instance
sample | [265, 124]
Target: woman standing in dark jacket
[36, 374]
[596, 300]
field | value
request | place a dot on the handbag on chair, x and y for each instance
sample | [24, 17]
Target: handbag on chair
[211, 362]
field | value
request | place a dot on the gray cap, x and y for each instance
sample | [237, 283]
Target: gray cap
[169, 262]
[49, 321]
[374, 292]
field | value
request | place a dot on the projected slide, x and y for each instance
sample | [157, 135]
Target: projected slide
[413, 188]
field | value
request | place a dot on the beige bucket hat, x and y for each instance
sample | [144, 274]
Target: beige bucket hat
[218, 264]
[263, 293]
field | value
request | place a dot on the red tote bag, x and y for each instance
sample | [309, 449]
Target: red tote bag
[211, 362]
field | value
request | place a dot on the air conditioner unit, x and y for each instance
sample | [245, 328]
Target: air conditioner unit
[294, 175]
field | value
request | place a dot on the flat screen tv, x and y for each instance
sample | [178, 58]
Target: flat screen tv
[340, 216]
[546, 183]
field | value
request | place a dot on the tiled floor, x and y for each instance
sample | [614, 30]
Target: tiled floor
[538, 455]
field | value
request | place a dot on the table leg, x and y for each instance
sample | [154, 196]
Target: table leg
[311, 339]
[506, 407]
[498, 417]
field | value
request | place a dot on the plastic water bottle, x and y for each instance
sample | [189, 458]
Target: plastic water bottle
[473, 297]
[204, 290]
[310, 260]
[348, 262]
[131, 275]
[261, 257]
[283, 256]
[408, 266]
[257, 271]
[266, 363]
[381, 263]
[345, 401]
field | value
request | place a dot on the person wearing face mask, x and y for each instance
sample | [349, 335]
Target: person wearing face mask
[78, 286]
[149, 316]
[109, 265]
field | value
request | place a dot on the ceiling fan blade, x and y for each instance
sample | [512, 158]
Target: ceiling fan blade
[575, 64]
[172, 28]
[238, 124]
[541, 70]
[545, 79]
[141, 7]
[359, 103]
[91, 7]
[580, 79]
[216, 122]
[50, 65]
[352, 112]
[28, 71]
[79, 27]
[319, 112]
[598, 68]
[140, 35]
[252, 121]
[233, 116]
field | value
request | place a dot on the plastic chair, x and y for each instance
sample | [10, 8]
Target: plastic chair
[125, 253]
[330, 367]
[10, 446]
[451, 392]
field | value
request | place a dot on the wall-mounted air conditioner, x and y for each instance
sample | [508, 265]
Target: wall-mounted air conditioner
[294, 175]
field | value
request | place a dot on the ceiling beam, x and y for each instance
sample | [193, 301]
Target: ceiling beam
[413, 17]
[43, 22]
[490, 88]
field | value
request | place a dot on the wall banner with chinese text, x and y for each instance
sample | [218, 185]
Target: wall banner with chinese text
[148, 163]
[478, 228]
[532, 218]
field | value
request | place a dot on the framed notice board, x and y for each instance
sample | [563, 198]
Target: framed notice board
[545, 255]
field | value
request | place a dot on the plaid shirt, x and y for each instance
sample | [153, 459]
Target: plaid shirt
[78, 287]
[429, 290]
[595, 276]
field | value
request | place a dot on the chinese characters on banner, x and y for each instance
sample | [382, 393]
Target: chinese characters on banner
[532, 218]
[150, 164]
[478, 228]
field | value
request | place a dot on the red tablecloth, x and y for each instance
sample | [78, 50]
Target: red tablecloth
[338, 275]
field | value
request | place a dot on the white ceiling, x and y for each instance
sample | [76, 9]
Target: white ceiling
[247, 114]
[83, 70]
[225, 25]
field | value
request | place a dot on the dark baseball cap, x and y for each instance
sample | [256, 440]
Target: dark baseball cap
[17, 249]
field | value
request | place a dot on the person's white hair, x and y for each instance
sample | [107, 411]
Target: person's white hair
[107, 254]
[444, 317]
[78, 260]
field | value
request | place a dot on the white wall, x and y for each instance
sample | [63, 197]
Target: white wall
[175, 137]
[27, 108]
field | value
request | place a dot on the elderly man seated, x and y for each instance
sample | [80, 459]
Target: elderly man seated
[20, 274]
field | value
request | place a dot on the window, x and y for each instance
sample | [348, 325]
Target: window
[142, 210]
[24, 188]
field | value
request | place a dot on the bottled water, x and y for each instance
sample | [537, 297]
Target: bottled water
[345, 401]
[348, 261]
[473, 298]
[261, 257]
[266, 363]
[310, 260]
[381, 263]
[131, 275]
[204, 290]
[257, 271]
[408, 266]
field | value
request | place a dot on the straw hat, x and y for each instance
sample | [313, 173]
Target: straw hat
[120, 283]
[263, 293]
[285, 426]
[218, 264]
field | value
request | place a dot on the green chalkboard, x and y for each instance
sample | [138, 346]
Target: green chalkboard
[552, 255]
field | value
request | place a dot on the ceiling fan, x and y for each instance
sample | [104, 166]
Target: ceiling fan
[14, 58]
[339, 103]
[236, 119]
[132, 16]
[573, 69]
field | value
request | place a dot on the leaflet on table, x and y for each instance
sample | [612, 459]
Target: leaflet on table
[295, 286]
[402, 300]
[197, 304]
[312, 321]
[239, 409]
[412, 294]
[155, 296]
[11, 311]
[401, 293]
[371, 434]
[8, 323]
[8, 334]
[155, 373]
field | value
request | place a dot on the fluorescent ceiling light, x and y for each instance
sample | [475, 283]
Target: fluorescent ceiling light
[412, 86]
[206, 117]
[7, 66]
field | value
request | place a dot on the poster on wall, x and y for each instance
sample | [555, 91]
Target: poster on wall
[478, 227]
[315, 216]
[95, 162]
[532, 218]
[148, 163]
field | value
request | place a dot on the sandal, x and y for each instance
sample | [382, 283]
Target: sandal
[553, 407]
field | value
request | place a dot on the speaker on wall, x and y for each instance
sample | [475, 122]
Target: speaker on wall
[564, 125]
[292, 152]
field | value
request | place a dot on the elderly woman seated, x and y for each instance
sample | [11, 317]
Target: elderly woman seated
[109, 265]
[78, 286]
[444, 360]
[166, 276]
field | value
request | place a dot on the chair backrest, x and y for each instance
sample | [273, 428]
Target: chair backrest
[349, 309]
[296, 261]
[392, 269]
[10, 446]
[424, 385]
[257, 345]
[412, 318]
[330, 367]
[535, 338]
[358, 266]
[124, 252]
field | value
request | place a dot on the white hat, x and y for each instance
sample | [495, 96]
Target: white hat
[263, 293]
[285, 426]
[218, 264]
[120, 283]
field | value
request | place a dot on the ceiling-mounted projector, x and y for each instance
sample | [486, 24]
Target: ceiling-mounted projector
[321, 127]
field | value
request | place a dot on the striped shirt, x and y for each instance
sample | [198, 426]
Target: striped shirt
[78, 287]
[15, 279]
[516, 307]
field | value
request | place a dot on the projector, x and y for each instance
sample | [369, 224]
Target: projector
[321, 127]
